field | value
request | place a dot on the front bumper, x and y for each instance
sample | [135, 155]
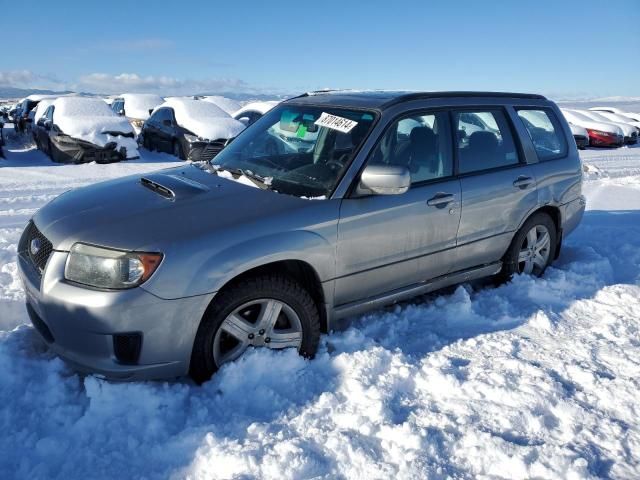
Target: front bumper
[73, 151]
[79, 324]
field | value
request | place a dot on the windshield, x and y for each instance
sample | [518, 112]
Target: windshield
[298, 150]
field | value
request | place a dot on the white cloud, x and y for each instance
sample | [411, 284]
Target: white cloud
[17, 77]
[108, 83]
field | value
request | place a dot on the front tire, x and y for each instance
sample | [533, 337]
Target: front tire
[533, 248]
[271, 311]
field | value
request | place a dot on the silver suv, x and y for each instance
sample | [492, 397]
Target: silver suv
[331, 204]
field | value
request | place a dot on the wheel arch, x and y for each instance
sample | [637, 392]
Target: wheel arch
[302, 272]
[554, 212]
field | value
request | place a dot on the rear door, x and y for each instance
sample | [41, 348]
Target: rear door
[387, 242]
[498, 187]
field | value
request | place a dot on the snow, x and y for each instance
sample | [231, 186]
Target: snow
[228, 105]
[89, 119]
[262, 107]
[204, 119]
[138, 105]
[535, 378]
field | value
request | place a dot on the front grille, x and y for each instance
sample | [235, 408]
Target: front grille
[210, 151]
[35, 246]
[127, 346]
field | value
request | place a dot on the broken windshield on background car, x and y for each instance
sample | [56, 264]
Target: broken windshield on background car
[304, 149]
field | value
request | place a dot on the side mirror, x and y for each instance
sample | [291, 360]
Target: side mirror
[244, 120]
[384, 180]
[166, 123]
[47, 125]
[40, 122]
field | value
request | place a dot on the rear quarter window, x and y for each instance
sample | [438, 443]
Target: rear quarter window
[545, 132]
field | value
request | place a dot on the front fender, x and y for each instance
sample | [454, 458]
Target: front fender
[208, 273]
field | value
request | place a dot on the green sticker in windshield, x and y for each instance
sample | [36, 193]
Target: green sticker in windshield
[302, 130]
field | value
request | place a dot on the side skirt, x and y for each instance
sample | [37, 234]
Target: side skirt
[356, 308]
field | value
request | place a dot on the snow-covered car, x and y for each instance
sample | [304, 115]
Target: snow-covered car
[601, 134]
[619, 118]
[629, 131]
[251, 112]
[38, 113]
[136, 107]
[632, 115]
[190, 129]
[84, 129]
[24, 115]
[227, 104]
[580, 135]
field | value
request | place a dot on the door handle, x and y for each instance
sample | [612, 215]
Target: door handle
[440, 200]
[522, 182]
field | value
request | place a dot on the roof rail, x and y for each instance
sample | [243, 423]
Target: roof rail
[464, 94]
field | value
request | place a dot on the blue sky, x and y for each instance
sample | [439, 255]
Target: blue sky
[562, 48]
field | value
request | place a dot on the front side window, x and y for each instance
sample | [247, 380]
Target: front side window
[422, 143]
[298, 150]
[545, 132]
[484, 141]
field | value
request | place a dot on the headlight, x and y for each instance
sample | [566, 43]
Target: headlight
[192, 138]
[111, 269]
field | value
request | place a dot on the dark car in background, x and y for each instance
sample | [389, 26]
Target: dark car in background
[190, 129]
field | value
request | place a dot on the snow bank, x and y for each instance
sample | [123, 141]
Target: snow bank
[90, 119]
[537, 378]
[204, 119]
[226, 104]
[138, 105]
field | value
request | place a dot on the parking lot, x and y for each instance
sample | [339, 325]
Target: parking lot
[537, 377]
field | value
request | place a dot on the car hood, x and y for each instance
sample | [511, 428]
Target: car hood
[150, 211]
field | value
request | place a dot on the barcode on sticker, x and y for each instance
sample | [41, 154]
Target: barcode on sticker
[335, 122]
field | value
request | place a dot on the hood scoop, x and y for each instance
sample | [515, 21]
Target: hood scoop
[171, 186]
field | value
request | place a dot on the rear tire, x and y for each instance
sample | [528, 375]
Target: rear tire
[532, 249]
[293, 300]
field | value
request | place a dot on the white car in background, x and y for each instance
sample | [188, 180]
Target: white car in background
[136, 107]
[227, 104]
[618, 117]
[601, 134]
[252, 111]
[635, 116]
[630, 132]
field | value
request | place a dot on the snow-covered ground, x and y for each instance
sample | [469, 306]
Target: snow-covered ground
[538, 378]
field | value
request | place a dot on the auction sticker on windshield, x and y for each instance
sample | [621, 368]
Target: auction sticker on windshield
[335, 122]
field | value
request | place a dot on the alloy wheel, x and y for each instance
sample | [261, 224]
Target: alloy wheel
[534, 251]
[264, 322]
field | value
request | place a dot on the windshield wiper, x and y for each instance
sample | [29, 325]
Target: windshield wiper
[260, 181]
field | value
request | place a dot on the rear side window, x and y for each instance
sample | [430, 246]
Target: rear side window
[545, 132]
[484, 141]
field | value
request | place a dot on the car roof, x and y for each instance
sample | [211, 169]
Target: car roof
[381, 99]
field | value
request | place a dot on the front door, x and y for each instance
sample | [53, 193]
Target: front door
[387, 242]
